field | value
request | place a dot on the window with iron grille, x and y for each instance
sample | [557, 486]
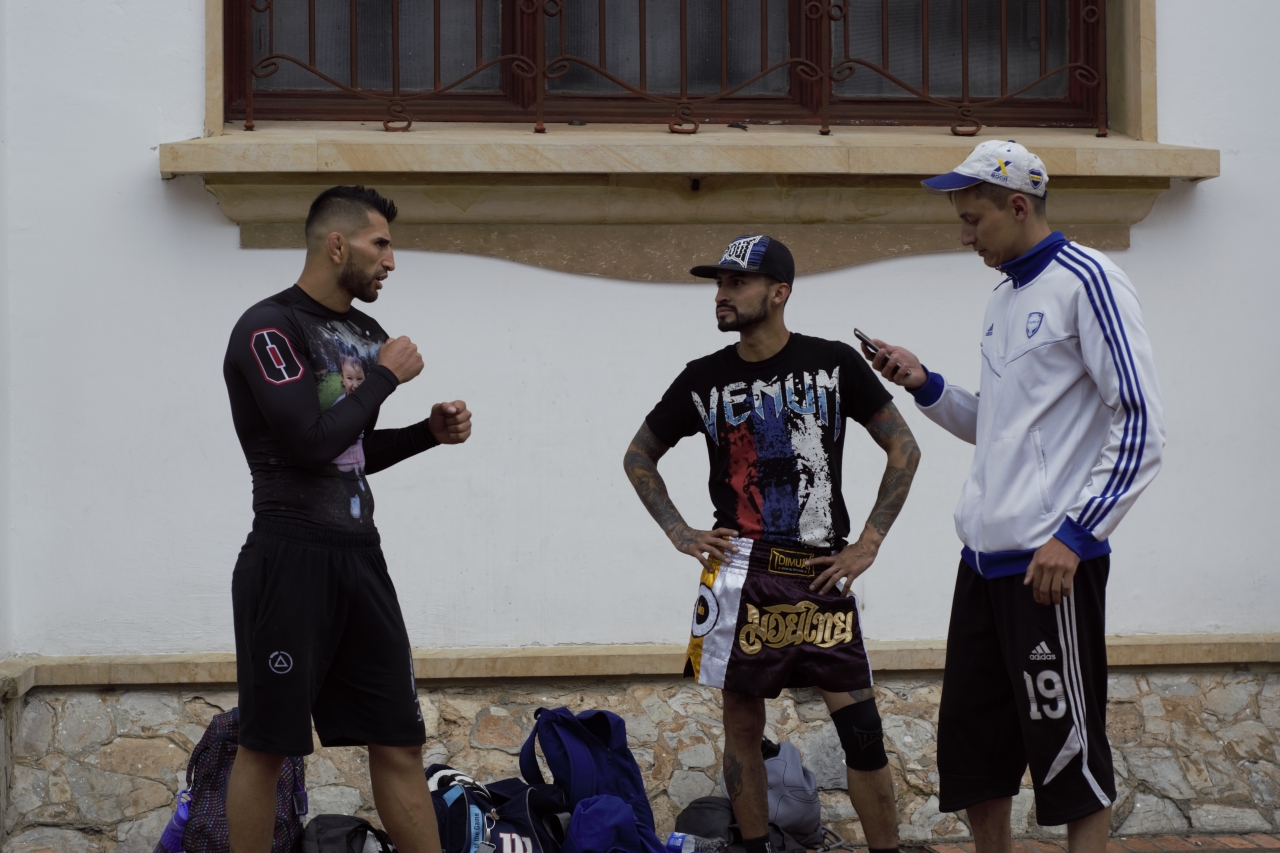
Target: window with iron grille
[962, 63]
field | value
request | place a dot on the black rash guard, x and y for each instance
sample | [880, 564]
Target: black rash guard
[305, 388]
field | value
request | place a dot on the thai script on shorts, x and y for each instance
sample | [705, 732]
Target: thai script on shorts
[780, 625]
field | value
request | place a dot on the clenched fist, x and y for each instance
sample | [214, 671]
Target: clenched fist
[450, 423]
[400, 356]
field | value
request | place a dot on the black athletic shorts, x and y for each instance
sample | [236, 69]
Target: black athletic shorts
[319, 634]
[1026, 683]
[757, 628]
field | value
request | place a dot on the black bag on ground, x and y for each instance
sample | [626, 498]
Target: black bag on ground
[337, 833]
[712, 817]
[525, 811]
[709, 817]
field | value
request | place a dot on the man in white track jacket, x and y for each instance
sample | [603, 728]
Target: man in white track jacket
[1068, 430]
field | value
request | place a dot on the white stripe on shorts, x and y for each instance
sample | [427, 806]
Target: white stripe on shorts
[1068, 638]
[717, 644]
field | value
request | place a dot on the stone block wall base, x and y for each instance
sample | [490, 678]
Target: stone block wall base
[1195, 752]
[9, 712]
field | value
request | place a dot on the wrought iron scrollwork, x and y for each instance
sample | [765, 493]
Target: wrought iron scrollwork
[820, 70]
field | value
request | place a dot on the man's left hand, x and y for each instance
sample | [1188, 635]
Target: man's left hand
[1052, 569]
[450, 423]
[848, 564]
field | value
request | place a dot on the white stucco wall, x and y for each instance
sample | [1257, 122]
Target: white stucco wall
[130, 496]
[6, 595]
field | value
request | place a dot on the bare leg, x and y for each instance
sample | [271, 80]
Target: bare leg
[251, 800]
[990, 824]
[870, 791]
[402, 798]
[744, 775]
[1089, 834]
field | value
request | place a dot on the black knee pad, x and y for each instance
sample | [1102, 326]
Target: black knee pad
[858, 726]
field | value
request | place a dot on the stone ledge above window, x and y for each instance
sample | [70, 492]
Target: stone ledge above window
[638, 202]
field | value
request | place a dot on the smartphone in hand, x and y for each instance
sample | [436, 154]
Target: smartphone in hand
[860, 335]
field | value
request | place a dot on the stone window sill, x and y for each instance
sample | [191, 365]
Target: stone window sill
[318, 147]
[567, 199]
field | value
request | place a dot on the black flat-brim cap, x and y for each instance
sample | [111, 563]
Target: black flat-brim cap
[754, 253]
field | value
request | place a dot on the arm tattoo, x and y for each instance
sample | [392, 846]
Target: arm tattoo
[641, 465]
[732, 776]
[887, 425]
[892, 495]
[891, 432]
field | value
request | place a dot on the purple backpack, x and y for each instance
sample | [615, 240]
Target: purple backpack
[207, 775]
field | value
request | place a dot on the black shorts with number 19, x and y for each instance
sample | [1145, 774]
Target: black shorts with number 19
[1026, 683]
[319, 634]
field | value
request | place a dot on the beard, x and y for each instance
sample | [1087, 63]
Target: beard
[359, 285]
[744, 319]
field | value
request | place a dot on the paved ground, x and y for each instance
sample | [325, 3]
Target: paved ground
[1146, 844]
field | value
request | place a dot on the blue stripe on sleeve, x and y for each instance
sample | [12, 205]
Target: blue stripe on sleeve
[1130, 471]
[1137, 385]
[1133, 440]
[1115, 483]
[1090, 283]
[1125, 437]
[1124, 457]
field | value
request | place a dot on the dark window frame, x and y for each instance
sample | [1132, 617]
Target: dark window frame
[523, 31]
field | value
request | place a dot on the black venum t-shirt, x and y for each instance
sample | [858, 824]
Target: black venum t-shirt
[305, 388]
[775, 435]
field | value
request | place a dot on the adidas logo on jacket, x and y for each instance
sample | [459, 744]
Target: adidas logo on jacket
[1068, 422]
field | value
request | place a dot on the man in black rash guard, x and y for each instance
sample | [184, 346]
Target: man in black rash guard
[319, 633]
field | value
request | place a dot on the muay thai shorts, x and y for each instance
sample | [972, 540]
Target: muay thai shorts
[757, 627]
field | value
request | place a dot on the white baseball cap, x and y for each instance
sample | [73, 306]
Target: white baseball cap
[1005, 164]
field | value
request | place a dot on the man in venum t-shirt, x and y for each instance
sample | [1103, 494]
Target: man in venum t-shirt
[319, 633]
[775, 608]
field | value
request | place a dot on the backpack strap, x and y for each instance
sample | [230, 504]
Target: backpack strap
[529, 768]
[300, 804]
[362, 832]
[831, 840]
[450, 796]
[582, 768]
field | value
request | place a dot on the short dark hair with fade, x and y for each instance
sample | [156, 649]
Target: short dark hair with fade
[348, 205]
[999, 196]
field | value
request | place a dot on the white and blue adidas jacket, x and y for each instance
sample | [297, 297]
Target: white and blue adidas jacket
[1068, 423]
